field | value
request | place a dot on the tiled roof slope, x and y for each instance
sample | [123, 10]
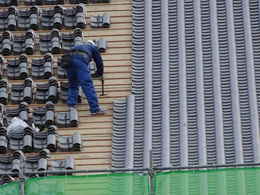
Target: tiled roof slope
[195, 85]
[95, 131]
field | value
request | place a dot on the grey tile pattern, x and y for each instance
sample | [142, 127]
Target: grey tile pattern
[70, 39]
[3, 92]
[213, 54]
[27, 18]
[8, 19]
[66, 164]
[14, 144]
[50, 42]
[100, 21]
[17, 68]
[74, 17]
[63, 92]
[47, 91]
[4, 3]
[42, 68]
[53, 42]
[119, 137]
[29, 140]
[22, 92]
[51, 17]
[44, 116]
[67, 119]
[138, 80]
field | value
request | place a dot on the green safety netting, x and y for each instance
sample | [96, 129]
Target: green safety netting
[10, 189]
[105, 184]
[239, 181]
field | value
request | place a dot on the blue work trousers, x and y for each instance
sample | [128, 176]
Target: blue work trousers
[79, 75]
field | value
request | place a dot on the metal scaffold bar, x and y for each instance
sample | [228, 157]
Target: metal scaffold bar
[137, 170]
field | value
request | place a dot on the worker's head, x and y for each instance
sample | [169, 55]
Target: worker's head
[91, 42]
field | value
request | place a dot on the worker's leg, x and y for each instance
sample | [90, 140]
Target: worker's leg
[73, 90]
[86, 83]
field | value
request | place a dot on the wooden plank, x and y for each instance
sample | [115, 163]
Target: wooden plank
[117, 57]
[115, 44]
[86, 130]
[96, 125]
[120, 2]
[84, 108]
[106, 8]
[116, 64]
[89, 135]
[84, 119]
[117, 68]
[83, 155]
[123, 13]
[109, 32]
[123, 36]
[93, 162]
[105, 118]
[93, 167]
[121, 50]
[117, 24]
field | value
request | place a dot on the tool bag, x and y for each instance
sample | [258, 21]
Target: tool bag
[65, 60]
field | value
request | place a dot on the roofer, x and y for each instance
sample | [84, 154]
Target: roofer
[77, 65]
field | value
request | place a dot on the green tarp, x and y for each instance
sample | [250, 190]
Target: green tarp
[10, 189]
[236, 181]
[109, 184]
[209, 182]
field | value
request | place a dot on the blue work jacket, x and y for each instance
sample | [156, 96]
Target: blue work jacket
[93, 53]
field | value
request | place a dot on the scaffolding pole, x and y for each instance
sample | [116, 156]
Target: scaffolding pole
[137, 170]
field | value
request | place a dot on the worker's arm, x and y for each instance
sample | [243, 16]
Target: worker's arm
[99, 62]
[95, 54]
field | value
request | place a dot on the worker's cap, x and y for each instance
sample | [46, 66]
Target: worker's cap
[91, 42]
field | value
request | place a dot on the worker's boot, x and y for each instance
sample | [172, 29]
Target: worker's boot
[101, 111]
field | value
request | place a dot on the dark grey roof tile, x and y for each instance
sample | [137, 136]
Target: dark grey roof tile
[3, 92]
[42, 68]
[17, 68]
[27, 18]
[100, 21]
[74, 17]
[69, 143]
[71, 39]
[52, 17]
[44, 116]
[101, 44]
[5, 3]
[45, 139]
[63, 94]
[60, 165]
[50, 42]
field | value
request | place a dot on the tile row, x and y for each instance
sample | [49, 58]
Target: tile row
[30, 92]
[53, 42]
[58, 17]
[29, 139]
[39, 68]
[43, 116]
[6, 3]
[202, 111]
[17, 163]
